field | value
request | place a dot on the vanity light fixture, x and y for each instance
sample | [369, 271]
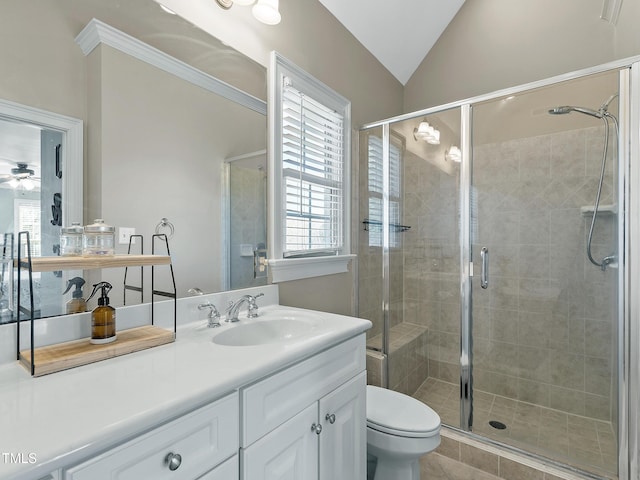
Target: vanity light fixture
[427, 132]
[265, 11]
[453, 154]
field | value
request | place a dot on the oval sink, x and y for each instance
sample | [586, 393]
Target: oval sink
[262, 332]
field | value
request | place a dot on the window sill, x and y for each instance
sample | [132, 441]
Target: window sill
[285, 270]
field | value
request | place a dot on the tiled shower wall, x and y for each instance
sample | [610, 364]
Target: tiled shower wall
[544, 330]
[431, 260]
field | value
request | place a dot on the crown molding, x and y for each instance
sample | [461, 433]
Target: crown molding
[97, 32]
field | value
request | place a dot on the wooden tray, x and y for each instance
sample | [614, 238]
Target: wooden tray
[62, 356]
[50, 264]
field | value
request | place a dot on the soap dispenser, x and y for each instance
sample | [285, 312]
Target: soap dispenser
[103, 317]
[77, 304]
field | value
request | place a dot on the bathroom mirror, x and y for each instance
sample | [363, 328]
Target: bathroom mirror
[155, 144]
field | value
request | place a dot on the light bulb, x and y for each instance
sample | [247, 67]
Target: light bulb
[266, 11]
[453, 154]
[423, 131]
[434, 136]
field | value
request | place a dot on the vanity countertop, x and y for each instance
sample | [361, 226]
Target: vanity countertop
[60, 419]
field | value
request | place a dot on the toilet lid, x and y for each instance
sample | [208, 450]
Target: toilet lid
[398, 414]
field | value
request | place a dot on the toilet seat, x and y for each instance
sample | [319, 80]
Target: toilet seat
[397, 414]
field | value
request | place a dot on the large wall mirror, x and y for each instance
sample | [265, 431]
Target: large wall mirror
[160, 147]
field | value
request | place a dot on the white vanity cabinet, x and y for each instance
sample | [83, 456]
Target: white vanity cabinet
[191, 447]
[308, 422]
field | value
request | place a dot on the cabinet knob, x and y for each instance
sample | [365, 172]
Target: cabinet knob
[331, 418]
[316, 428]
[173, 461]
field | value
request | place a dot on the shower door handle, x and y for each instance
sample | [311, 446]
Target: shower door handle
[484, 274]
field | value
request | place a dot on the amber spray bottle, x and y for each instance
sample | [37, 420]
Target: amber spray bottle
[103, 317]
[77, 304]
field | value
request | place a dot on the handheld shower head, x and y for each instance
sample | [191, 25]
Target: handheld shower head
[561, 110]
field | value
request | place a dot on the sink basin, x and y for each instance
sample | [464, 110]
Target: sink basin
[260, 332]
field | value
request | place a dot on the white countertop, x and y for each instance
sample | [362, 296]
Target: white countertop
[63, 418]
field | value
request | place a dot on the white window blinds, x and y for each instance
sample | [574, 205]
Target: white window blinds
[313, 175]
[375, 190]
[27, 219]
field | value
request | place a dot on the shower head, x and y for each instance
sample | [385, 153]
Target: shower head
[561, 110]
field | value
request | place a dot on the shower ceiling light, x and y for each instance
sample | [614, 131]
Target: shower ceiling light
[453, 154]
[428, 133]
[265, 11]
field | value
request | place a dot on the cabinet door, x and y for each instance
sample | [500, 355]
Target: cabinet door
[288, 452]
[343, 442]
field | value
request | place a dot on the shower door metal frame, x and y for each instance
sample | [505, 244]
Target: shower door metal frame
[628, 302]
[629, 385]
[466, 273]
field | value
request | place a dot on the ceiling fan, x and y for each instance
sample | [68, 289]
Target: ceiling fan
[21, 176]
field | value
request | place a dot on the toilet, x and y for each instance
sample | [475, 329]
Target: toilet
[400, 429]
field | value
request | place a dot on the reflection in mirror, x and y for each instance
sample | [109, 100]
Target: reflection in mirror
[245, 216]
[155, 144]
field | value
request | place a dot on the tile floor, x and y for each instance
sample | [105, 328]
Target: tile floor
[582, 442]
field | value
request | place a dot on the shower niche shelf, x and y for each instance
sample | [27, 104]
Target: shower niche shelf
[62, 356]
[609, 209]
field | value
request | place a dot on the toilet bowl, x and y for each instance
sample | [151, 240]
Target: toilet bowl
[400, 429]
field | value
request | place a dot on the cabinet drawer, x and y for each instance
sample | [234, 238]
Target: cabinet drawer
[272, 401]
[202, 438]
[229, 470]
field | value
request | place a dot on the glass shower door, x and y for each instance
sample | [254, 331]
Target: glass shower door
[408, 254]
[543, 316]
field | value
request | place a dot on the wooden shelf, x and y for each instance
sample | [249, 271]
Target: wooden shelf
[62, 356]
[51, 264]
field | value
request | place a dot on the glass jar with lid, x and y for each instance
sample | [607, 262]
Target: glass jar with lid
[98, 239]
[71, 240]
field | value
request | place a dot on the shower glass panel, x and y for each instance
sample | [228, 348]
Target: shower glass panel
[420, 251]
[544, 328]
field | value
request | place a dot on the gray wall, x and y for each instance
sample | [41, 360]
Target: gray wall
[494, 44]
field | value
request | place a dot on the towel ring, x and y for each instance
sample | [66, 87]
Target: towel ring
[164, 223]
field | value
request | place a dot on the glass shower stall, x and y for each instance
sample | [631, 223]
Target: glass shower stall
[491, 261]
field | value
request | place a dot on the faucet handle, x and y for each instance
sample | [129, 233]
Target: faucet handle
[253, 306]
[214, 314]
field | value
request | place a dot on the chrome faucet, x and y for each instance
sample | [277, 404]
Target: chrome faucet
[234, 307]
[214, 314]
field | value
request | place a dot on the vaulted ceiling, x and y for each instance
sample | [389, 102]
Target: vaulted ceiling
[399, 33]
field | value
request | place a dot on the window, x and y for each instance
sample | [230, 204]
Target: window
[374, 145]
[27, 219]
[310, 132]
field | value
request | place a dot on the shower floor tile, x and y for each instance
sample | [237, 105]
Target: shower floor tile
[581, 442]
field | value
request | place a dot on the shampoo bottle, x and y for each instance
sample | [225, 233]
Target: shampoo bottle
[103, 317]
[77, 304]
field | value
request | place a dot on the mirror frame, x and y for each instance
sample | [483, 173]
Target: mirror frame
[72, 130]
